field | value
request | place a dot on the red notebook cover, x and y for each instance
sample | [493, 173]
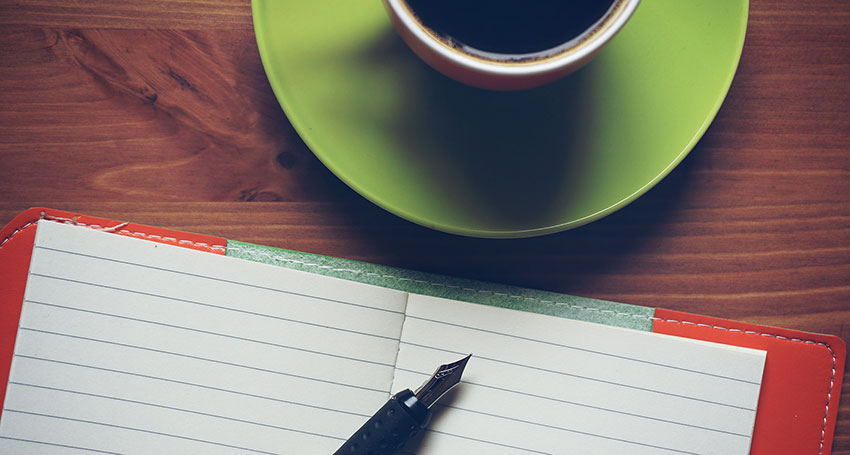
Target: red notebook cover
[797, 408]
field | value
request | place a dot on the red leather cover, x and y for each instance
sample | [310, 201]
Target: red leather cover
[798, 404]
[16, 242]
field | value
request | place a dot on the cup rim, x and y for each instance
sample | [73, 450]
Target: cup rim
[513, 69]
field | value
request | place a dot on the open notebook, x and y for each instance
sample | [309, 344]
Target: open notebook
[130, 346]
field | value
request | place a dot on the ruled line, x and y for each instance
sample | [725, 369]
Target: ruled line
[207, 332]
[555, 427]
[141, 430]
[575, 348]
[66, 446]
[492, 443]
[599, 408]
[542, 397]
[588, 378]
[525, 449]
[192, 384]
[188, 356]
[218, 279]
[172, 408]
[210, 305]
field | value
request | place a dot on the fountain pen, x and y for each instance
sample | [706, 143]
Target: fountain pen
[403, 415]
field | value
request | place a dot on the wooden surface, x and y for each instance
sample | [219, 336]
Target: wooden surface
[159, 112]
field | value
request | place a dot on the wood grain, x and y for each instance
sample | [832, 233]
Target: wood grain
[129, 14]
[159, 112]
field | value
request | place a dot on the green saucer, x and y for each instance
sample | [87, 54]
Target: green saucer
[494, 164]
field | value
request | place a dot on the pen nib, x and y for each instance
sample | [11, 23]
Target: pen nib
[446, 377]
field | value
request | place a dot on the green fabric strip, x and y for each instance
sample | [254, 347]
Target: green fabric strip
[551, 303]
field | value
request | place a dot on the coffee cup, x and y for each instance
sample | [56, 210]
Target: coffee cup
[508, 44]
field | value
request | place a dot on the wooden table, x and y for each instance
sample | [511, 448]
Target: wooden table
[159, 112]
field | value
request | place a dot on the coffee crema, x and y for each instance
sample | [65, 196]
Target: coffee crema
[511, 30]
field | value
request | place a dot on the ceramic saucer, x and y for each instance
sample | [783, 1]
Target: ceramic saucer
[499, 164]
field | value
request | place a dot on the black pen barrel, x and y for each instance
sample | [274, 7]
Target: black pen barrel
[401, 418]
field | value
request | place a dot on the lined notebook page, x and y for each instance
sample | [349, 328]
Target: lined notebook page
[129, 346]
[544, 385]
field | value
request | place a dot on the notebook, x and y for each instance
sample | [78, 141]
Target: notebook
[134, 340]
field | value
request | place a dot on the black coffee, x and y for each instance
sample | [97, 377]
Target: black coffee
[513, 28]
